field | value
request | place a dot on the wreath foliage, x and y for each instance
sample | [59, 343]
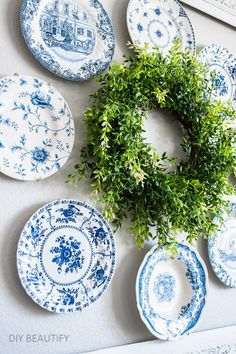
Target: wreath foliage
[129, 175]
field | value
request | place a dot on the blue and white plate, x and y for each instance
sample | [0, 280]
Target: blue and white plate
[36, 128]
[66, 256]
[158, 23]
[72, 38]
[220, 62]
[222, 248]
[171, 292]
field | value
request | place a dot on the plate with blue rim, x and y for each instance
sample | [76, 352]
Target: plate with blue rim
[74, 39]
[220, 63]
[66, 256]
[222, 246]
[171, 291]
[36, 128]
[158, 23]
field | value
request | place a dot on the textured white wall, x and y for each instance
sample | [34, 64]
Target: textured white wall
[113, 320]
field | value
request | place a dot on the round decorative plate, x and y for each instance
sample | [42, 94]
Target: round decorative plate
[171, 292]
[158, 23]
[66, 256]
[72, 38]
[222, 248]
[36, 128]
[222, 63]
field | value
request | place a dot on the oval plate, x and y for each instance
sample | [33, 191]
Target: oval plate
[171, 293]
[223, 63]
[66, 256]
[73, 39]
[36, 128]
[222, 248]
[158, 23]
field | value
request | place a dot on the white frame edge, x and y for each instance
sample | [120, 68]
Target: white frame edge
[221, 340]
[210, 7]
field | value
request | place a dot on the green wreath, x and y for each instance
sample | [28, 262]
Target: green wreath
[129, 175]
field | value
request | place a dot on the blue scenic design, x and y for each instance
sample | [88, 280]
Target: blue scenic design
[159, 26]
[36, 128]
[150, 311]
[67, 254]
[67, 27]
[222, 247]
[164, 287]
[221, 65]
[74, 252]
[68, 36]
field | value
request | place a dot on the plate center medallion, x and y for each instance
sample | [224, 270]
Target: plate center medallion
[67, 30]
[66, 255]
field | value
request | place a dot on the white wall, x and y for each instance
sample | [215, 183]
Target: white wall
[114, 319]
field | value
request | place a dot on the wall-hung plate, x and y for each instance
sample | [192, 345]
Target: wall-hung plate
[222, 247]
[220, 63]
[158, 23]
[73, 39]
[36, 128]
[66, 256]
[171, 292]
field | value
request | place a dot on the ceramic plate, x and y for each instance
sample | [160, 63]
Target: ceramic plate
[72, 38]
[158, 23]
[66, 256]
[36, 128]
[222, 248]
[171, 293]
[222, 63]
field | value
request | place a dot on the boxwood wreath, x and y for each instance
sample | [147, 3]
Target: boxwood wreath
[129, 175]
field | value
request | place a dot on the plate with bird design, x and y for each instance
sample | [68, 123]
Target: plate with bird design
[36, 128]
[66, 256]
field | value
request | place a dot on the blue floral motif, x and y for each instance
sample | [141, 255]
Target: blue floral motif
[67, 268]
[41, 100]
[157, 11]
[98, 274]
[68, 296]
[140, 27]
[100, 236]
[69, 214]
[164, 287]
[159, 34]
[67, 255]
[40, 155]
[221, 85]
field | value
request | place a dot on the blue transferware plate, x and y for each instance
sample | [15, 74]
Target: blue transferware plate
[220, 62]
[36, 128]
[72, 38]
[66, 256]
[222, 248]
[171, 292]
[158, 23]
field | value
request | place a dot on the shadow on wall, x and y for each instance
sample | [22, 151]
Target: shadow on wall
[124, 298]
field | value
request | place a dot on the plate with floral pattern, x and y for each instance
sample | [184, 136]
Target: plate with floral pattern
[222, 247]
[73, 39]
[222, 64]
[66, 256]
[171, 291]
[158, 23]
[36, 128]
